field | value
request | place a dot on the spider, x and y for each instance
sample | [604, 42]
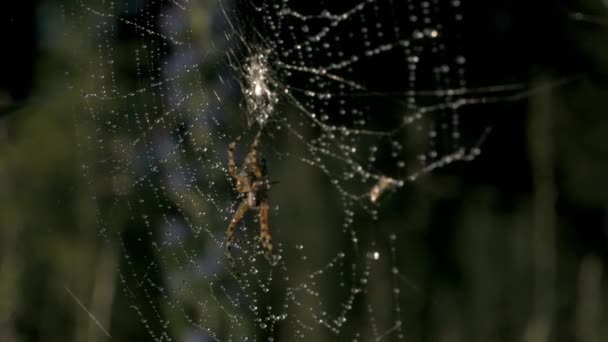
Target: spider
[252, 185]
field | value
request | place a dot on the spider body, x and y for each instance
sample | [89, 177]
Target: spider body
[253, 185]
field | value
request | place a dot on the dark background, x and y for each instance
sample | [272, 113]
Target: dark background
[510, 247]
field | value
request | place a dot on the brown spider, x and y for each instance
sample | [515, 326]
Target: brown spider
[252, 184]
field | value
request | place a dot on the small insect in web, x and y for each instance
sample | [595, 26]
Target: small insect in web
[384, 184]
[253, 185]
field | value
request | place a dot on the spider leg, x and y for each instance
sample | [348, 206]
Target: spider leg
[265, 236]
[231, 164]
[236, 218]
[256, 140]
[253, 157]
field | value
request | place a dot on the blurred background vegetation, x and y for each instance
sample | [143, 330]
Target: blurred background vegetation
[510, 247]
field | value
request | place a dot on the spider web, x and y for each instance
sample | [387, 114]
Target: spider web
[355, 98]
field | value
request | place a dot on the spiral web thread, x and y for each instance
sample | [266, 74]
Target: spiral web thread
[173, 83]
